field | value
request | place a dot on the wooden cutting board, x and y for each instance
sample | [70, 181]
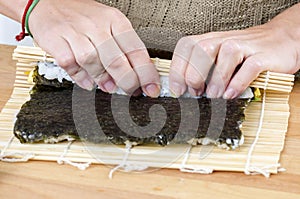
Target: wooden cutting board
[47, 179]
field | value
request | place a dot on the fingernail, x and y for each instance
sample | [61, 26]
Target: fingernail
[212, 92]
[152, 90]
[87, 84]
[109, 86]
[176, 89]
[230, 93]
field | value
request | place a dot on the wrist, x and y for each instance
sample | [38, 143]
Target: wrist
[289, 22]
[27, 11]
[13, 9]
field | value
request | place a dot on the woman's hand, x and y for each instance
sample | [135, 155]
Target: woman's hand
[94, 43]
[274, 46]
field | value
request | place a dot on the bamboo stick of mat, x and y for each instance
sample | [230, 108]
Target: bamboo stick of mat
[266, 152]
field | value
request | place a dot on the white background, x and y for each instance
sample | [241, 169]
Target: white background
[8, 30]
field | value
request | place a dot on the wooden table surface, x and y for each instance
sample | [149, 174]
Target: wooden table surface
[37, 179]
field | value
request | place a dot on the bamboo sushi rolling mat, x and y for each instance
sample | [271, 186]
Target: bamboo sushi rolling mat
[264, 130]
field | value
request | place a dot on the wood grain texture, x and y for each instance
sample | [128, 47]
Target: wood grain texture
[50, 180]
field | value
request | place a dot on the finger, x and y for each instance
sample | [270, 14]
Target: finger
[112, 57]
[82, 79]
[181, 56]
[201, 61]
[106, 83]
[63, 55]
[230, 55]
[246, 74]
[137, 54]
[118, 66]
[115, 62]
[85, 53]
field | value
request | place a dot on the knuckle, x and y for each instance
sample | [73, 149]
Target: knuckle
[206, 46]
[125, 22]
[211, 35]
[117, 17]
[97, 75]
[112, 65]
[103, 77]
[66, 61]
[222, 75]
[230, 47]
[184, 46]
[115, 62]
[254, 64]
[116, 14]
[80, 75]
[194, 80]
[114, 11]
[86, 58]
[187, 41]
[183, 40]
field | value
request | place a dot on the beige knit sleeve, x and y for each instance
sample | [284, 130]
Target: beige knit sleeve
[160, 23]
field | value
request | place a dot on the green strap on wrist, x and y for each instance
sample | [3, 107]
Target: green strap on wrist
[34, 3]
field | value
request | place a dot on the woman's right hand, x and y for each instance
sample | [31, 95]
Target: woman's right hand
[94, 43]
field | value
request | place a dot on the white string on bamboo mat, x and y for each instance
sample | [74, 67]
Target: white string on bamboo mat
[63, 160]
[127, 167]
[14, 156]
[189, 169]
[251, 169]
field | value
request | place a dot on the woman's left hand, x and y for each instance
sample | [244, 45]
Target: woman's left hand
[274, 46]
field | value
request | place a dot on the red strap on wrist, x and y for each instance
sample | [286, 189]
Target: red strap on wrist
[23, 34]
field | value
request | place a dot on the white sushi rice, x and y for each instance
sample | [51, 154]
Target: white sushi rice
[52, 71]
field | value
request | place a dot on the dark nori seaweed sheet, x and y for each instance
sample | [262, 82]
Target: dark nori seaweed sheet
[160, 54]
[50, 114]
[58, 110]
[41, 80]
